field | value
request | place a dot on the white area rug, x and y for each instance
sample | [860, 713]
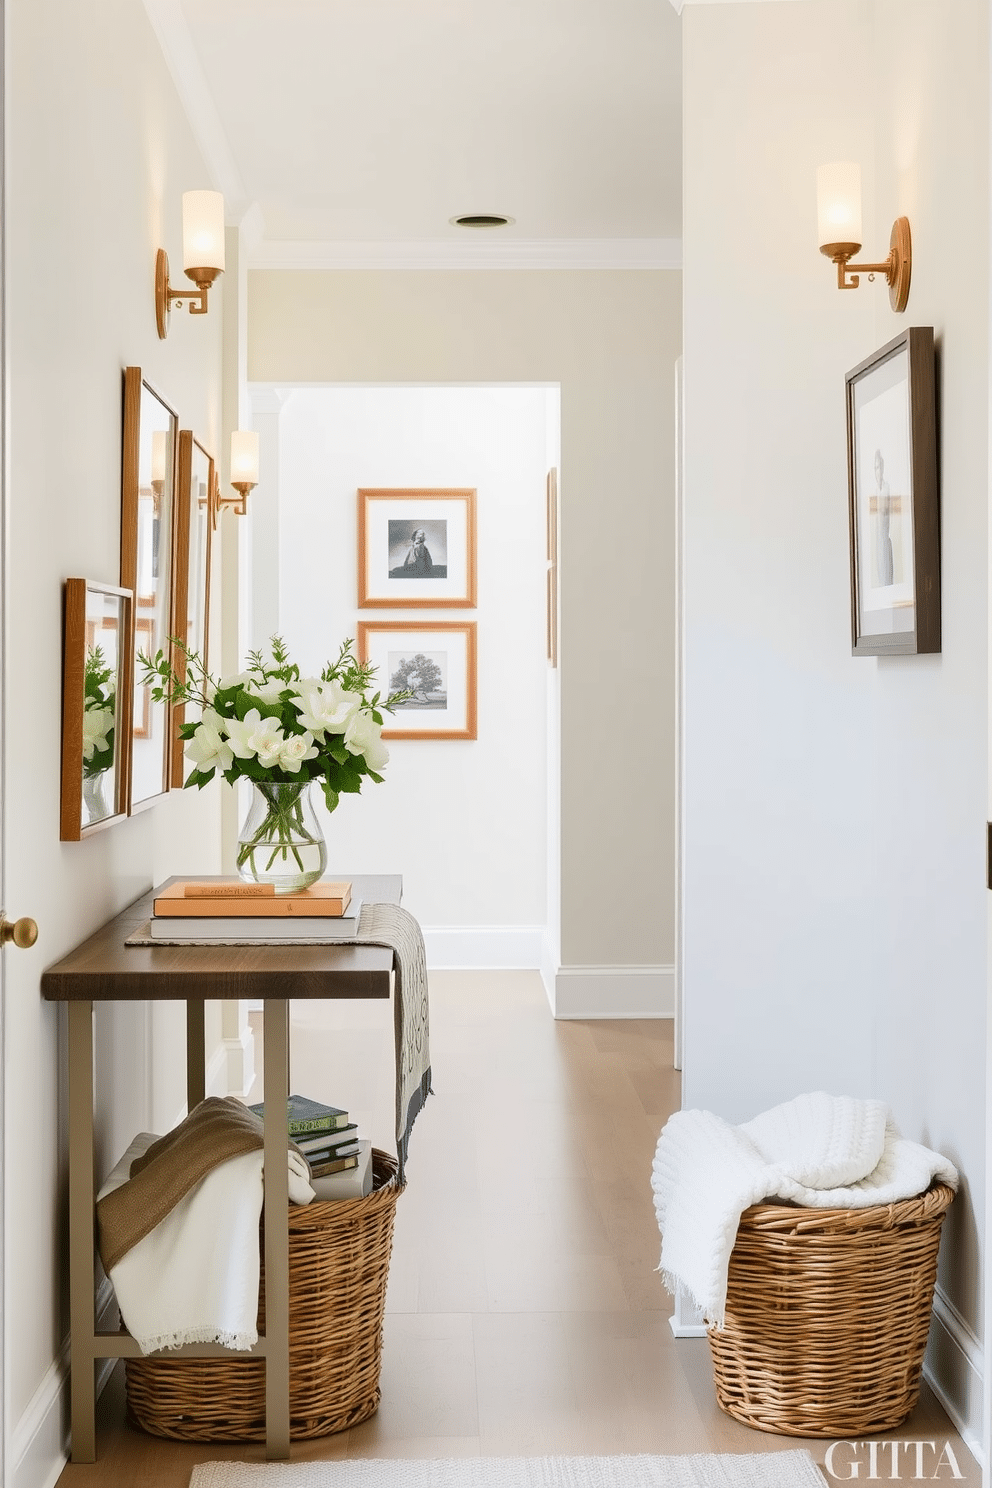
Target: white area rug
[764, 1470]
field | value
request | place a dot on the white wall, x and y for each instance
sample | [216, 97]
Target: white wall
[98, 153]
[464, 820]
[610, 339]
[835, 914]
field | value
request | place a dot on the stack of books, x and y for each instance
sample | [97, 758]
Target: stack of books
[340, 1161]
[196, 911]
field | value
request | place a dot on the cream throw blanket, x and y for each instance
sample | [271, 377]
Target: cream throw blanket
[821, 1151]
[179, 1231]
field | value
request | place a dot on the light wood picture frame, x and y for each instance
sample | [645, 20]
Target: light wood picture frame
[194, 552]
[436, 659]
[417, 548]
[97, 621]
[148, 484]
[893, 498]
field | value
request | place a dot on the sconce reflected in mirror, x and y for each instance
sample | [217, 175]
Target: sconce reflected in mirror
[838, 203]
[244, 473]
[203, 257]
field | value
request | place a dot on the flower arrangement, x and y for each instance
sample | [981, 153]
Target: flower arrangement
[270, 725]
[99, 711]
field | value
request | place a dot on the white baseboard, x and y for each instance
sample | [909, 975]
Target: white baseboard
[614, 992]
[480, 947]
[238, 1064]
[954, 1369]
[39, 1445]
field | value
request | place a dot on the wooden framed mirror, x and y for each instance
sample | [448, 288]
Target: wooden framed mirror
[194, 550]
[96, 707]
[147, 540]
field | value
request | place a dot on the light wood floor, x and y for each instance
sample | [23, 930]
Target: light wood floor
[524, 1314]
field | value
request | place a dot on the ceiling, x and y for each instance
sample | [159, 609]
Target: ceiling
[344, 122]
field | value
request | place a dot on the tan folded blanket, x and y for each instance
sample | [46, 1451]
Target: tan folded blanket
[214, 1131]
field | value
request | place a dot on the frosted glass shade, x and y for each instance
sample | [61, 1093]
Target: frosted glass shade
[159, 446]
[203, 230]
[838, 203]
[244, 457]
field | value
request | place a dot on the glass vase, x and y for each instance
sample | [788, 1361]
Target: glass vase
[281, 842]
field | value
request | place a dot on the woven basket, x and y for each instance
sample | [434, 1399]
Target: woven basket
[827, 1316]
[338, 1269]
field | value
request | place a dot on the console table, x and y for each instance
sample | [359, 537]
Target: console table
[104, 969]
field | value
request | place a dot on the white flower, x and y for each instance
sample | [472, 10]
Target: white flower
[97, 723]
[296, 749]
[325, 706]
[256, 735]
[268, 692]
[363, 736]
[208, 748]
[236, 679]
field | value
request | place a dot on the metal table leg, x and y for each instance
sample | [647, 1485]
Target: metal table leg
[82, 1296]
[275, 1045]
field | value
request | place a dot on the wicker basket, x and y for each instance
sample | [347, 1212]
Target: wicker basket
[338, 1269]
[827, 1316]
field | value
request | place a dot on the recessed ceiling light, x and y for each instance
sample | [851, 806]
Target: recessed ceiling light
[481, 219]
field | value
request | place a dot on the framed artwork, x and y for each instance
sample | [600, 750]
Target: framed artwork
[95, 708]
[893, 499]
[436, 661]
[416, 549]
[194, 547]
[148, 480]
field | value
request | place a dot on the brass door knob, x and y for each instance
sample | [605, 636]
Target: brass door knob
[23, 932]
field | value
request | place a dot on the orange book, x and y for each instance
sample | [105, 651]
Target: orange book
[324, 898]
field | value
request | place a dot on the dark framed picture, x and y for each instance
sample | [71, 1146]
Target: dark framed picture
[148, 484]
[894, 500]
[436, 661]
[416, 549]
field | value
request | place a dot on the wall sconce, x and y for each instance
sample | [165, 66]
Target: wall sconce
[203, 257]
[244, 473]
[838, 202]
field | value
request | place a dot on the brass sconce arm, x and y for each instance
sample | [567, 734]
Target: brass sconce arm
[166, 296]
[897, 268]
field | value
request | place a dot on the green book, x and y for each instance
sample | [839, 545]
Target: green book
[304, 1116]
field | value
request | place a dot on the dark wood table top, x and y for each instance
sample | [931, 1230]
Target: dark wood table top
[104, 969]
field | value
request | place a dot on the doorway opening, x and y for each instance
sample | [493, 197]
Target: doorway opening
[473, 824]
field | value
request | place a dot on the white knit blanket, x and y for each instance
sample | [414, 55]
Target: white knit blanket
[821, 1151]
[194, 1277]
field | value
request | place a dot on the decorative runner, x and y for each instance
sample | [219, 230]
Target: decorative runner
[395, 929]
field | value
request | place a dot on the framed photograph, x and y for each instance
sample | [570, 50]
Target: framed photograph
[148, 482]
[893, 499]
[194, 546]
[95, 708]
[416, 549]
[436, 661]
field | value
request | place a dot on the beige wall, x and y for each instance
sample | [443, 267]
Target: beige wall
[98, 153]
[611, 341]
[835, 888]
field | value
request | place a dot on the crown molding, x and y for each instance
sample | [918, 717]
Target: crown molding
[173, 34]
[476, 253]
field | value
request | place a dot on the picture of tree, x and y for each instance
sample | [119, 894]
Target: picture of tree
[422, 673]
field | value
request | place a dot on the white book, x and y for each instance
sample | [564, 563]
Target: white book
[353, 1183]
[236, 931]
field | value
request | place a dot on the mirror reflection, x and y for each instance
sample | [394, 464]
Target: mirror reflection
[150, 432]
[94, 717]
